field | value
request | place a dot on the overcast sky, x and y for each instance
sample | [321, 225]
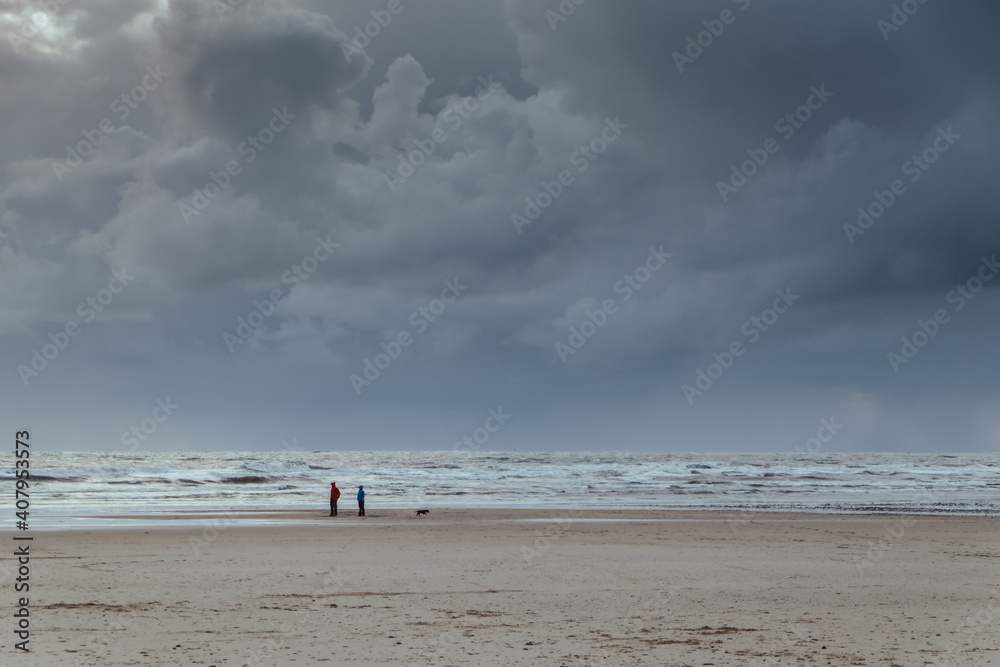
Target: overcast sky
[590, 202]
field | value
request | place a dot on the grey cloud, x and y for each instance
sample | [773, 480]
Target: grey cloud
[325, 176]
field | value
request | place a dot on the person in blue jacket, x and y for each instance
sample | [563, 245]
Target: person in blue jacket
[361, 501]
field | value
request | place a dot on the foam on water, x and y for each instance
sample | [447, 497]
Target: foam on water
[73, 484]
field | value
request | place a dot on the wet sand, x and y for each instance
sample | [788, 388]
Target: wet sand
[506, 587]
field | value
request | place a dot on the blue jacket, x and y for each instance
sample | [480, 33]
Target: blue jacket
[361, 494]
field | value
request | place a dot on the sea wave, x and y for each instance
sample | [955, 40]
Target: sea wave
[827, 482]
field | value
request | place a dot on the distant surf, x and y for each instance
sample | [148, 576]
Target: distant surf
[147, 482]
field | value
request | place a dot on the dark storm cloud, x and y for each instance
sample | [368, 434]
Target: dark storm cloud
[350, 166]
[236, 67]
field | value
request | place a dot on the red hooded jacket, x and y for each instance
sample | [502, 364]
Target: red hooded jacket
[334, 492]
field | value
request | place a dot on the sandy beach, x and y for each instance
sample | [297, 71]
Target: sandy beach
[505, 587]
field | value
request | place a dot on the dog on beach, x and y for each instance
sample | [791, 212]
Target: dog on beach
[419, 512]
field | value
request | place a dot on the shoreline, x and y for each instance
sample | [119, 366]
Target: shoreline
[89, 520]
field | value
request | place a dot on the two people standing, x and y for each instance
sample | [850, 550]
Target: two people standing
[335, 496]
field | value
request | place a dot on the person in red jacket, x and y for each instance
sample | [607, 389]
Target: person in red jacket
[334, 495]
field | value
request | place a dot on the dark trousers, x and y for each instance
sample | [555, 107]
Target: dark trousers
[361, 508]
[333, 507]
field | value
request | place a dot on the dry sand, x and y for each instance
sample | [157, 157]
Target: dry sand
[486, 587]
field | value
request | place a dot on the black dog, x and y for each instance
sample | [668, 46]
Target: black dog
[419, 512]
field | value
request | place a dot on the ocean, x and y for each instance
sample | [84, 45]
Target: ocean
[67, 488]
